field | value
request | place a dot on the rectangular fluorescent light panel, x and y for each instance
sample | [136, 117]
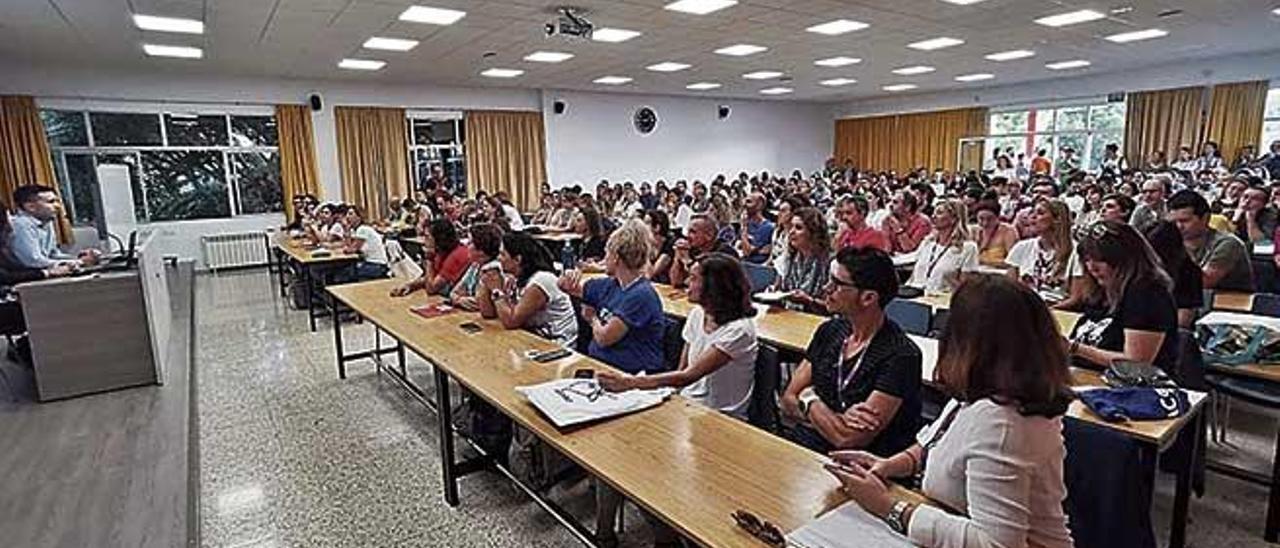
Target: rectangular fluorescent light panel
[914, 71]
[1070, 18]
[762, 75]
[1011, 55]
[837, 61]
[975, 77]
[1064, 65]
[702, 86]
[361, 64]
[502, 73]
[390, 44]
[899, 87]
[837, 27]
[548, 56]
[935, 43]
[1137, 35]
[667, 66]
[700, 7]
[741, 50]
[181, 52]
[838, 82]
[168, 24]
[613, 35]
[776, 91]
[431, 16]
[612, 80]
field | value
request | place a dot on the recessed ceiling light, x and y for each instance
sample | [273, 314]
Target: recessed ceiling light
[976, 77]
[962, 2]
[913, 71]
[502, 73]
[838, 82]
[899, 87]
[1065, 65]
[1070, 18]
[741, 50]
[935, 43]
[612, 80]
[181, 52]
[776, 91]
[1011, 55]
[1275, 12]
[1137, 35]
[702, 86]
[668, 66]
[839, 26]
[700, 7]
[391, 44]
[613, 35]
[168, 24]
[837, 61]
[361, 64]
[762, 75]
[548, 56]
[1121, 10]
[431, 16]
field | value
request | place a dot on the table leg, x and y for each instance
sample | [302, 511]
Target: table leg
[1273, 503]
[377, 345]
[281, 272]
[1182, 494]
[444, 416]
[400, 357]
[311, 302]
[337, 341]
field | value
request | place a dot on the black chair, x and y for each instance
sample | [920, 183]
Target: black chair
[672, 343]
[911, 316]
[1266, 304]
[763, 410]
[939, 323]
[761, 276]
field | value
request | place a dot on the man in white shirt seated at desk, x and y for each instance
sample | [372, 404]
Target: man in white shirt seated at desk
[32, 243]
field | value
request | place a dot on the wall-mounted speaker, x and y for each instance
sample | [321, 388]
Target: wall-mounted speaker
[316, 102]
[559, 107]
[723, 112]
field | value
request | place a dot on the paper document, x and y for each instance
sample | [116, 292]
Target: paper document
[575, 401]
[847, 525]
[905, 259]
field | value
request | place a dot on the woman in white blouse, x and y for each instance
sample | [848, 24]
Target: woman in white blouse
[949, 251]
[995, 454]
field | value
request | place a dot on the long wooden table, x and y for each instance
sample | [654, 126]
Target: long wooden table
[1234, 301]
[1066, 320]
[687, 464]
[313, 268]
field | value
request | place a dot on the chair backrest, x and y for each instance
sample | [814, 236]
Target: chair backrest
[939, 323]
[760, 276]
[1207, 303]
[1266, 304]
[672, 342]
[763, 410]
[911, 316]
[1190, 366]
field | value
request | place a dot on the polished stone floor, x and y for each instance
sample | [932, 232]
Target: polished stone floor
[292, 456]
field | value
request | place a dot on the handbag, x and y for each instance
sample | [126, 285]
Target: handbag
[1234, 339]
[401, 265]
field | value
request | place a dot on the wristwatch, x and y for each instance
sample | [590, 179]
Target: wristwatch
[806, 400]
[897, 516]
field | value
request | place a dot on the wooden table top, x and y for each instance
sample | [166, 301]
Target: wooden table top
[1255, 371]
[942, 301]
[556, 236]
[301, 251]
[686, 463]
[1235, 301]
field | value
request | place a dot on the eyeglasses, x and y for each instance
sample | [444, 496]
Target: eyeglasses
[585, 389]
[1099, 229]
[766, 532]
[837, 282]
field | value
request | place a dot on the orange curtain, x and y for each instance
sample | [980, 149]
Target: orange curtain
[24, 154]
[902, 142]
[506, 151]
[1163, 120]
[298, 173]
[373, 156]
[1236, 112]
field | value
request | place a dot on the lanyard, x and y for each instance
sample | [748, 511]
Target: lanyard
[846, 378]
[935, 257]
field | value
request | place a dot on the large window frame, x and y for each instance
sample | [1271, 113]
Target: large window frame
[1270, 121]
[1044, 126]
[451, 154]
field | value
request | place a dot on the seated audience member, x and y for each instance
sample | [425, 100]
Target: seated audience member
[663, 246]
[328, 226]
[996, 452]
[31, 241]
[782, 236]
[994, 237]
[523, 293]
[700, 238]
[1222, 257]
[1152, 209]
[808, 262]
[855, 232]
[365, 240]
[1188, 295]
[1132, 316]
[1117, 207]
[509, 211]
[1047, 262]
[946, 253]
[590, 226]
[860, 367]
[485, 245]
[906, 227]
[546, 209]
[1255, 220]
[445, 260]
[756, 240]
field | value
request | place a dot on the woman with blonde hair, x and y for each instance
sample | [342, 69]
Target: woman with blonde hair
[1047, 261]
[947, 252]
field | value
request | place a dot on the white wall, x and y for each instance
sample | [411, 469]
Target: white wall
[596, 138]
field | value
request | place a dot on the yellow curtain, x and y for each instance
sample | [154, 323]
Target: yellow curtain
[372, 156]
[902, 142]
[506, 151]
[24, 154]
[1235, 119]
[1163, 120]
[297, 154]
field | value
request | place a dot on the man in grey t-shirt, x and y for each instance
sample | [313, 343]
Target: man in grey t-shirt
[1152, 208]
[1223, 258]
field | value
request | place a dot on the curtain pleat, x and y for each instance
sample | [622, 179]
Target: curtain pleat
[903, 142]
[24, 154]
[372, 156]
[1236, 113]
[1163, 120]
[298, 174]
[506, 151]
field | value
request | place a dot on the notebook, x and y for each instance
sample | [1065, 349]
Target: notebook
[840, 527]
[429, 311]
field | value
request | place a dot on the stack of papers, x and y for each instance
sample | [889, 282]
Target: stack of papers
[847, 525]
[575, 401]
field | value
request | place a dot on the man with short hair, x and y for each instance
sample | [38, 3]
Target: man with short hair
[32, 243]
[700, 239]
[1152, 209]
[756, 240]
[1255, 220]
[905, 226]
[852, 212]
[1223, 258]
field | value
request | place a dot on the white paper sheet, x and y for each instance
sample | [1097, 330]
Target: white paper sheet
[847, 525]
[575, 401]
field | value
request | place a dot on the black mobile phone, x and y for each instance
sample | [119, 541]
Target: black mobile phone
[550, 355]
[584, 374]
[471, 327]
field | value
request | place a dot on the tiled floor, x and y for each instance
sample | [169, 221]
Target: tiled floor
[292, 456]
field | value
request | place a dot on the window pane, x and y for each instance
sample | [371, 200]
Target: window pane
[425, 131]
[248, 131]
[1270, 134]
[185, 184]
[124, 129]
[1044, 120]
[1100, 142]
[1071, 118]
[196, 131]
[65, 128]
[1107, 117]
[423, 158]
[1273, 103]
[81, 179]
[258, 181]
[1008, 122]
[129, 160]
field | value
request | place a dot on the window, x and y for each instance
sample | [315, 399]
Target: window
[437, 139]
[181, 165]
[1271, 121]
[1087, 129]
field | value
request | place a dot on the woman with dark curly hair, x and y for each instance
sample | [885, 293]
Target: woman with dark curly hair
[808, 260]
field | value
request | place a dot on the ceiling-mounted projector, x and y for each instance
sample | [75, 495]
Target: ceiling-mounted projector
[570, 24]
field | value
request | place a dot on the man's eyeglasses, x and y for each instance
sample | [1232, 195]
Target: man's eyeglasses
[766, 532]
[585, 389]
[1099, 229]
[837, 282]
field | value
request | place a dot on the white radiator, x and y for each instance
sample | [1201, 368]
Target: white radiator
[234, 250]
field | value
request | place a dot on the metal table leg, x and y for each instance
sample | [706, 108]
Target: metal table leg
[311, 302]
[1182, 495]
[1273, 501]
[337, 340]
[444, 418]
